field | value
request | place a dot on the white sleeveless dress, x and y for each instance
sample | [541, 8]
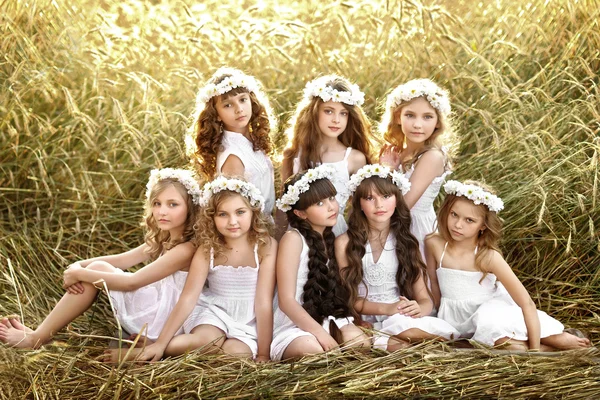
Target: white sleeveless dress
[423, 217]
[284, 329]
[342, 177]
[258, 168]
[151, 305]
[484, 311]
[228, 302]
[379, 286]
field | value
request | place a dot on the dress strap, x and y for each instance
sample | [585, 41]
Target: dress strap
[256, 255]
[442, 257]
[348, 151]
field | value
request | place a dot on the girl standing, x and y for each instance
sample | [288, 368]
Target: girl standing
[416, 116]
[380, 263]
[312, 314]
[475, 289]
[329, 127]
[231, 131]
[234, 314]
[145, 297]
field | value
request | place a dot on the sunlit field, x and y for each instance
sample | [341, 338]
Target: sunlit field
[95, 94]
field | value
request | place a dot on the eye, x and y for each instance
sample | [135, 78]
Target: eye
[469, 220]
[173, 204]
[320, 203]
[429, 117]
[221, 214]
[332, 198]
[387, 196]
[452, 213]
[409, 115]
[241, 212]
[344, 113]
[369, 198]
[156, 204]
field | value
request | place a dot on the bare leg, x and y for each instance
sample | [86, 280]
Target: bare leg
[354, 337]
[511, 344]
[302, 346]
[395, 344]
[236, 347]
[208, 337]
[566, 341]
[413, 335]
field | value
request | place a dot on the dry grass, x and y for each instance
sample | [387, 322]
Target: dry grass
[92, 96]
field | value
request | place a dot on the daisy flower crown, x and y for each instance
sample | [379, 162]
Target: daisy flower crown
[319, 88]
[235, 80]
[476, 194]
[292, 195]
[244, 188]
[381, 171]
[436, 96]
[186, 177]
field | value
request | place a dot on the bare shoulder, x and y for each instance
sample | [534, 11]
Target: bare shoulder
[494, 262]
[433, 156]
[185, 249]
[269, 248]
[356, 160]
[290, 238]
[434, 242]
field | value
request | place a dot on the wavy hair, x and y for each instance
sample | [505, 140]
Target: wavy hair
[157, 239]
[323, 294]
[488, 239]
[304, 135]
[392, 133]
[410, 264]
[209, 236]
[206, 132]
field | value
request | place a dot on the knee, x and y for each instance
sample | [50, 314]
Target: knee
[353, 336]
[101, 266]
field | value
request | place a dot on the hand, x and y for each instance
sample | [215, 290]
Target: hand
[152, 353]
[408, 307]
[390, 156]
[327, 341]
[70, 276]
[262, 359]
[76, 288]
[365, 324]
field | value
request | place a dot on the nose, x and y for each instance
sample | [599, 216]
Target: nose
[336, 117]
[417, 123]
[238, 108]
[163, 210]
[232, 220]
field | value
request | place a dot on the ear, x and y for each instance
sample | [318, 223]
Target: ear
[301, 214]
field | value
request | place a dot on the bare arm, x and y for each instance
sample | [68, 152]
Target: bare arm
[427, 168]
[123, 260]
[263, 304]
[233, 166]
[356, 161]
[519, 294]
[431, 258]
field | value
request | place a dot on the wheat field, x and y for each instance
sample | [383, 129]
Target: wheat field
[95, 94]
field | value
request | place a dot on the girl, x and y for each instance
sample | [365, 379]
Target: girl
[380, 262]
[416, 115]
[234, 314]
[467, 273]
[312, 315]
[230, 133]
[144, 297]
[329, 127]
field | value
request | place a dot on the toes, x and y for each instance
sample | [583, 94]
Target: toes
[4, 321]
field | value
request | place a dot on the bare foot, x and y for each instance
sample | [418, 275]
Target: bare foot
[511, 344]
[395, 344]
[142, 342]
[14, 321]
[566, 341]
[16, 337]
[114, 356]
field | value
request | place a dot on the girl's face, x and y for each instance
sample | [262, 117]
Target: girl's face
[378, 208]
[233, 217]
[333, 118]
[321, 214]
[418, 120]
[235, 112]
[465, 220]
[170, 211]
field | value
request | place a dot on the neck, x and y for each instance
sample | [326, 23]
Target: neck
[379, 230]
[412, 148]
[328, 143]
[317, 228]
[233, 243]
[175, 234]
[242, 131]
[467, 245]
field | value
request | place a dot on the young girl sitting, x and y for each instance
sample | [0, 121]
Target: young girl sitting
[480, 294]
[234, 314]
[416, 116]
[312, 314]
[380, 263]
[142, 299]
[230, 133]
[329, 127]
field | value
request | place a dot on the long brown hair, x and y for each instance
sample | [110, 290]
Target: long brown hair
[157, 239]
[207, 131]
[410, 264]
[304, 135]
[323, 294]
[488, 238]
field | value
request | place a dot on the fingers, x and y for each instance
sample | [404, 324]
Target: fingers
[79, 286]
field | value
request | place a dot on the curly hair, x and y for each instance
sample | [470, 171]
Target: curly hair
[304, 135]
[488, 239]
[392, 133]
[323, 294]
[210, 237]
[157, 239]
[410, 264]
[207, 131]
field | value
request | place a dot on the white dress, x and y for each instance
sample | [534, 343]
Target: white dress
[484, 311]
[379, 286]
[342, 177]
[228, 302]
[423, 217]
[284, 329]
[258, 168]
[151, 305]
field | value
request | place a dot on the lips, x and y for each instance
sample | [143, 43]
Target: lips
[241, 118]
[380, 212]
[456, 233]
[334, 128]
[334, 215]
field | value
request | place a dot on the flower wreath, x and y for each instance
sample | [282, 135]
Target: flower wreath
[476, 194]
[294, 191]
[436, 96]
[186, 177]
[235, 79]
[319, 88]
[381, 171]
[244, 188]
